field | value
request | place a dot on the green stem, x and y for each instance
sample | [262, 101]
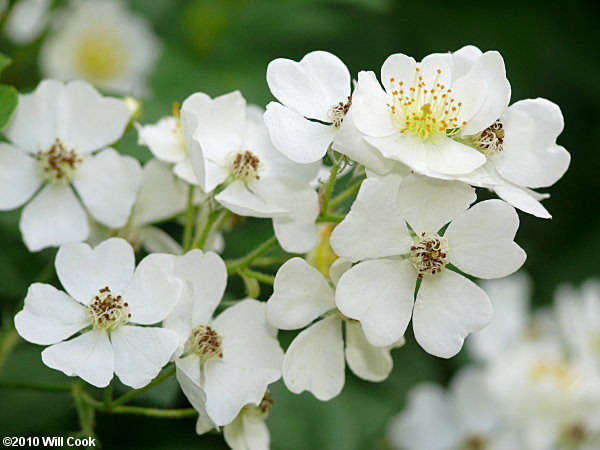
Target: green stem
[202, 236]
[346, 193]
[125, 398]
[9, 339]
[330, 218]
[260, 276]
[329, 188]
[85, 410]
[108, 395]
[155, 412]
[65, 387]
[270, 261]
[244, 261]
[189, 219]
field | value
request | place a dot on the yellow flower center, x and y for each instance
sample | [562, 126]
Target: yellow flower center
[107, 311]
[205, 342]
[244, 165]
[58, 164]
[101, 55]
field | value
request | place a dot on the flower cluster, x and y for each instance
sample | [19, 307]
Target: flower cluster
[399, 243]
[535, 383]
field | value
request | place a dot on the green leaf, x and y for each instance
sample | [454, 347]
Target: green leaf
[9, 97]
[5, 61]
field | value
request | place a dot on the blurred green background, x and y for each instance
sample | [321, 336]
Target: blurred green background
[216, 46]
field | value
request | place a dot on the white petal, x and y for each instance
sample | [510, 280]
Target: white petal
[474, 404]
[52, 218]
[314, 361]
[393, 177]
[161, 195]
[163, 139]
[298, 138]
[81, 108]
[338, 268]
[49, 315]
[204, 425]
[83, 271]
[141, 352]
[521, 198]
[300, 295]
[188, 376]
[311, 86]
[370, 112]
[399, 67]
[108, 184]
[18, 177]
[428, 204]
[481, 240]
[489, 70]
[531, 157]
[448, 308]
[451, 157]
[404, 148]
[229, 388]
[247, 433]
[463, 59]
[33, 124]
[240, 199]
[379, 294]
[155, 240]
[248, 339]
[374, 227]
[185, 171]
[154, 290]
[207, 276]
[89, 356]
[366, 361]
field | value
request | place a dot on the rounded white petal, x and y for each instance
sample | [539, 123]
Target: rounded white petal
[108, 184]
[314, 361]
[399, 67]
[338, 268]
[154, 290]
[241, 199]
[155, 240]
[447, 309]
[89, 356]
[185, 171]
[140, 353]
[163, 139]
[247, 433]
[83, 271]
[298, 138]
[52, 218]
[463, 59]
[403, 148]
[229, 388]
[248, 339]
[379, 294]
[521, 199]
[531, 157]
[300, 295]
[474, 405]
[374, 227]
[481, 240]
[451, 157]
[49, 315]
[365, 360]
[428, 204]
[80, 109]
[19, 177]
[188, 376]
[370, 112]
[33, 125]
[311, 86]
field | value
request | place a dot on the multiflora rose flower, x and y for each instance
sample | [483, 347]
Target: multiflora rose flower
[53, 134]
[314, 361]
[106, 299]
[399, 238]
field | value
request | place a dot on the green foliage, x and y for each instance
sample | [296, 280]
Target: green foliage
[9, 97]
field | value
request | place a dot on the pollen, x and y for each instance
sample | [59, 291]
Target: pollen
[244, 165]
[338, 111]
[205, 342]
[58, 164]
[427, 112]
[107, 311]
[490, 141]
[429, 254]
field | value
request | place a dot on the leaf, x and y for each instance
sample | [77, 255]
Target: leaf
[9, 97]
[5, 61]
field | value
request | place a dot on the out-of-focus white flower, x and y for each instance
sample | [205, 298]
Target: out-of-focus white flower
[224, 363]
[380, 292]
[230, 147]
[53, 133]
[105, 299]
[424, 106]
[314, 360]
[101, 42]
[464, 417]
[27, 20]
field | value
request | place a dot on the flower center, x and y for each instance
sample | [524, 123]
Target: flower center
[244, 165]
[205, 342]
[338, 111]
[101, 55]
[490, 141]
[557, 371]
[177, 129]
[428, 112]
[107, 311]
[59, 163]
[474, 442]
[429, 254]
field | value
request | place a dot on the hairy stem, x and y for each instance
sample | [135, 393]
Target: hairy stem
[190, 214]
[329, 188]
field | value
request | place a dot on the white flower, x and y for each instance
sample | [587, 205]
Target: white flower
[227, 362]
[53, 133]
[380, 292]
[424, 105]
[465, 417]
[27, 20]
[100, 42]
[230, 147]
[166, 142]
[105, 299]
[315, 359]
